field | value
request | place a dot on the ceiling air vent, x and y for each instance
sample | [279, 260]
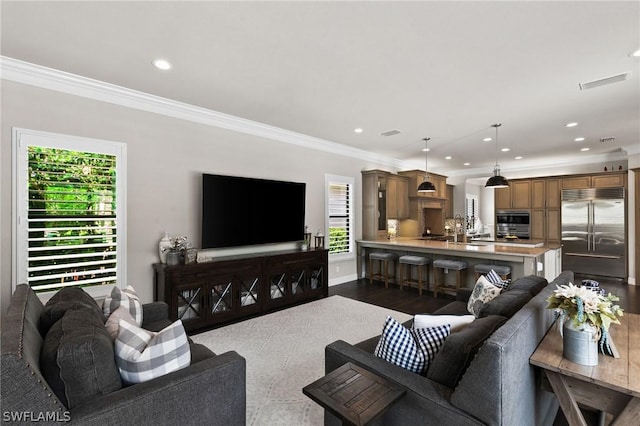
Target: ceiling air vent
[604, 81]
[390, 132]
[607, 140]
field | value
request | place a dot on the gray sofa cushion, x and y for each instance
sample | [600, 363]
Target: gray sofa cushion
[459, 348]
[532, 283]
[63, 300]
[77, 357]
[506, 303]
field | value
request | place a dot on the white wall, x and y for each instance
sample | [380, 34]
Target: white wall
[166, 157]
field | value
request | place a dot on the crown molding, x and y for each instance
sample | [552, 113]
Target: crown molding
[632, 149]
[48, 78]
[532, 166]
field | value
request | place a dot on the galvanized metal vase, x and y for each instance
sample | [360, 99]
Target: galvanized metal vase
[580, 343]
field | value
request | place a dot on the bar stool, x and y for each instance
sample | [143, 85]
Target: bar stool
[384, 259]
[406, 262]
[483, 268]
[446, 265]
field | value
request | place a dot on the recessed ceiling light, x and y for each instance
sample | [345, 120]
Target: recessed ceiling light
[572, 124]
[467, 164]
[487, 140]
[358, 130]
[162, 64]
[505, 149]
[584, 149]
[448, 157]
[518, 158]
[635, 54]
[579, 139]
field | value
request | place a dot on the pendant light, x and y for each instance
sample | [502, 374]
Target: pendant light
[426, 186]
[496, 181]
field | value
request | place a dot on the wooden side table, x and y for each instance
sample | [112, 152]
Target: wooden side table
[612, 386]
[355, 395]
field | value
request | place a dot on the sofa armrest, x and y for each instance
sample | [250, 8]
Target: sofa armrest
[212, 391]
[155, 311]
[424, 398]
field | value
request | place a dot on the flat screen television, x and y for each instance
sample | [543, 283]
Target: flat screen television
[240, 211]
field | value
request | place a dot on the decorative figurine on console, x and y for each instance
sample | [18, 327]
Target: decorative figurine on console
[319, 239]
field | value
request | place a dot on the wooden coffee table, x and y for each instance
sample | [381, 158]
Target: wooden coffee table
[355, 395]
[613, 386]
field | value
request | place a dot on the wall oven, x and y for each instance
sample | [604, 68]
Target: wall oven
[513, 223]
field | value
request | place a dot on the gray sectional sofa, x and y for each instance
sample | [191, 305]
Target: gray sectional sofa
[497, 385]
[210, 391]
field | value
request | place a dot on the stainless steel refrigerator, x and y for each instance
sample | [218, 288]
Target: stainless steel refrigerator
[593, 232]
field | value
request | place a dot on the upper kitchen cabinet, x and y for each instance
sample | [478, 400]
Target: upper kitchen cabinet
[545, 193]
[516, 196]
[609, 180]
[416, 177]
[397, 197]
[552, 190]
[538, 191]
[384, 196]
[600, 180]
[576, 182]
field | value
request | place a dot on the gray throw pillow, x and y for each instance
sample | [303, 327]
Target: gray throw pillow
[60, 302]
[459, 348]
[77, 358]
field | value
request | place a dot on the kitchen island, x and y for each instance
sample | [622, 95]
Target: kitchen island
[525, 257]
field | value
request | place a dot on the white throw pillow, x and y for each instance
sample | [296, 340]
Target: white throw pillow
[457, 322]
[113, 322]
[127, 298]
[142, 355]
[408, 348]
[483, 292]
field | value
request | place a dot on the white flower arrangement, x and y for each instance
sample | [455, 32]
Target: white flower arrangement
[583, 305]
[177, 244]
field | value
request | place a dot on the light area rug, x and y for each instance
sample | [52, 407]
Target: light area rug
[285, 352]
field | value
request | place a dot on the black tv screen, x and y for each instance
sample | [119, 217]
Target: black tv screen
[240, 211]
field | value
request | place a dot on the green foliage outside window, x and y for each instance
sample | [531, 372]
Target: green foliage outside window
[338, 242]
[72, 223]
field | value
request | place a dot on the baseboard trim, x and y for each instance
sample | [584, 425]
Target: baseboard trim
[343, 279]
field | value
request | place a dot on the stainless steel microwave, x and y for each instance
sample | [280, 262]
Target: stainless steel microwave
[513, 223]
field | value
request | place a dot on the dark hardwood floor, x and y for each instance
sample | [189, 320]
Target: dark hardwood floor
[408, 300]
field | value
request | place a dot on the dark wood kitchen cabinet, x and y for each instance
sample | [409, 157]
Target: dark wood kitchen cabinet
[227, 289]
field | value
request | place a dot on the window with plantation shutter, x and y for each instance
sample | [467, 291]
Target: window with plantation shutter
[69, 212]
[340, 215]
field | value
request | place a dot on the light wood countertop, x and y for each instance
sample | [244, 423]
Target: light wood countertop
[456, 249]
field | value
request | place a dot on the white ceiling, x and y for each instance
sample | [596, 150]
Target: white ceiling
[444, 70]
